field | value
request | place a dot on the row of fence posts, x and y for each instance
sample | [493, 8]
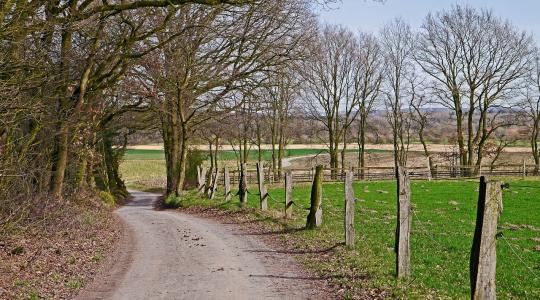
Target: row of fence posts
[483, 251]
[429, 172]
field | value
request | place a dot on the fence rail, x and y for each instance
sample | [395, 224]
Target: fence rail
[388, 173]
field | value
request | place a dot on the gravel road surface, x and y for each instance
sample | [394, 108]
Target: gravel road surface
[171, 255]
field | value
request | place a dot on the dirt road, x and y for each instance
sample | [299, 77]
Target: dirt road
[170, 255]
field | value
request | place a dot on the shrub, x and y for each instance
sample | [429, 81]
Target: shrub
[107, 197]
[172, 201]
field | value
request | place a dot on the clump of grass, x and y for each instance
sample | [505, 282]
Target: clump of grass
[74, 284]
[97, 257]
[172, 201]
[107, 197]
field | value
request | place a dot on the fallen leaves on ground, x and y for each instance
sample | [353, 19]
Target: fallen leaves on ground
[56, 258]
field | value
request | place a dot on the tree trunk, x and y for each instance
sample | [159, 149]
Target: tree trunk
[343, 166]
[115, 183]
[281, 151]
[534, 145]
[60, 156]
[242, 185]
[361, 147]
[59, 163]
[314, 219]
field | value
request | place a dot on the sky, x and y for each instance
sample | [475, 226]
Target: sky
[368, 15]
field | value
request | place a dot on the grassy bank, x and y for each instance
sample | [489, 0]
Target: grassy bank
[442, 230]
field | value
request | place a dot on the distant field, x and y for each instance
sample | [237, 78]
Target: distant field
[144, 169]
[415, 147]
[138, 154]
[145, 154]
[442, 230]
[143, 174]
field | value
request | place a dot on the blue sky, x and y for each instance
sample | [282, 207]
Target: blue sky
[370, 16]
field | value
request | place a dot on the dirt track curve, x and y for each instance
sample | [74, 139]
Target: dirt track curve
[171, 255]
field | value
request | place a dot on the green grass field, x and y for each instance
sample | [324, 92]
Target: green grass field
[145, 169]
[144, 175]
[442, 229]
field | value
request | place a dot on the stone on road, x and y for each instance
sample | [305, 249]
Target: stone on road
[179, 256]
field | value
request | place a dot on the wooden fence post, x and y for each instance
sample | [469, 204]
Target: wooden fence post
[227, 183]
[429, 167]
[524, 174]
[208, 185]
[288, 193]
[214, 184]
[403, 228]
[483, 259]
[314, 219]
[242, 185]
[263, 194]
[349, 209]
[202, 179]
[199, 177]
[270, 175]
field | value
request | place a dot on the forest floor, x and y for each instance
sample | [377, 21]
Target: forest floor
[179, 255]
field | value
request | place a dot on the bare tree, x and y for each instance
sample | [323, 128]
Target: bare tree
[421, 117]
[368, 83]
[329, 76]
[214, 67]
[532, 108]
[280, 98]
[476, 62]
[397, 41]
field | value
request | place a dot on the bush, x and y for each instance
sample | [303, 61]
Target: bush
[172, 201]
[107, 197]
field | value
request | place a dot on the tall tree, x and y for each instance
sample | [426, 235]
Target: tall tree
[329, 76]
[210, 69]
[532, 108]
[281, 95]
[397, 41]
[368, 83]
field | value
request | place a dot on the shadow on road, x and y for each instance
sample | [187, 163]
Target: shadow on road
[297, 251]
[355, 277]
[141, 199]
[282, 231]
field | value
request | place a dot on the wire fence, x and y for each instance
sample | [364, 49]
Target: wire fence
[389, 173]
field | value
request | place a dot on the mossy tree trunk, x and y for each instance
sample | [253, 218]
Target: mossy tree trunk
[314, 219]
[242, 185]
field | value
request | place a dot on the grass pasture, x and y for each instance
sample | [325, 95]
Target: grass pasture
[145, 169]
[442, 230]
